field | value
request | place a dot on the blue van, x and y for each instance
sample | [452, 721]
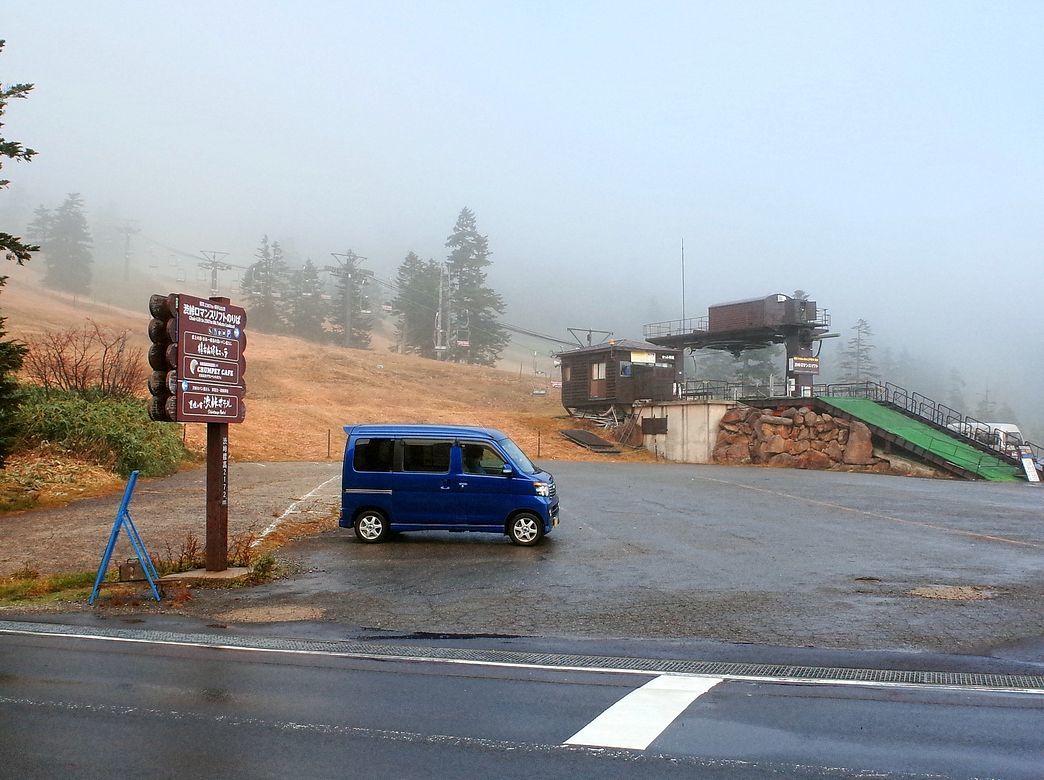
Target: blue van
[442, 478]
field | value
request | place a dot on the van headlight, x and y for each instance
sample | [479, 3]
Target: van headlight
[542, 488]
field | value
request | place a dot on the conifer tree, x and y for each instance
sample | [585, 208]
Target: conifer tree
[857, 361]
[417, 301]
[351, 303]
[11, 248]
[66, 245]
[263, 287]
[475, 335]
[760, 370]
[306, 308]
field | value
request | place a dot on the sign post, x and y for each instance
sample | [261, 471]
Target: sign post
[199, 368]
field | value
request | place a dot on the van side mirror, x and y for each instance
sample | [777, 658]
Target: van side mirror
[507, 471]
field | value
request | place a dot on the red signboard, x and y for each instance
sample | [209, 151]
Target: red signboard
[211, 338]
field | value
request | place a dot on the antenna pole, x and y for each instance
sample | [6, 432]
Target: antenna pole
[683, 279]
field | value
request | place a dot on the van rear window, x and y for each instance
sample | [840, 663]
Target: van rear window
[374, 454]
[429, 456]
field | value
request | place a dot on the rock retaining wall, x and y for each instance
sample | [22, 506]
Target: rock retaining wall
[795, 438]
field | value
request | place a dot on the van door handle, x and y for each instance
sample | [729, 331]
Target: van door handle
[444, 487]
[462, 484]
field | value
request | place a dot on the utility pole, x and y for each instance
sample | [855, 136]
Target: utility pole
[683, 280]
[128, 230]
[440, 341]
[213, 264]
[345, 270]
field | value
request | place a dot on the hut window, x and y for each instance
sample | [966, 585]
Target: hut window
[598, 380]
[567, 373]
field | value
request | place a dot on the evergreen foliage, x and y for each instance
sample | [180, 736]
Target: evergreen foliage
[306, 309]
[857, 361]
[955, 397]
[475, 335]
[66, 242]
[762, 369]
[264, 286]
[11, 356]
[351, 302]
[417, 302]
[11, 248]
[713, 364]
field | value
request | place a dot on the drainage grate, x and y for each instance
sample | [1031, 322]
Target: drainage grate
[554, 661]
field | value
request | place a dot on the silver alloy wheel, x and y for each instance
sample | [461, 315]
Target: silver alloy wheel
[370, 526]
[525, 529]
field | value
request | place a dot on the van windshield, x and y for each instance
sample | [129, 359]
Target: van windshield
[515, 453]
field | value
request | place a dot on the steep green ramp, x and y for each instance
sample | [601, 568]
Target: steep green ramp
[948, 448]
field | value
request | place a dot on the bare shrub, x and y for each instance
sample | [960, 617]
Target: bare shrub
[93, 358]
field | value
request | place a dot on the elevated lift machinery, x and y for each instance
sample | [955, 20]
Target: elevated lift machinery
[754, 324]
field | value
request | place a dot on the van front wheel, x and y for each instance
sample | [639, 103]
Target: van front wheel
[525, 529]
[371, 526]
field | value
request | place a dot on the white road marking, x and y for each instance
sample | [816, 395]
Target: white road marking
[7, 627]
[643, 714]
[292, 509]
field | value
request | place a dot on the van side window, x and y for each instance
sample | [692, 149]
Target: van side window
[428, 456]
[481, 459]
[374, 454]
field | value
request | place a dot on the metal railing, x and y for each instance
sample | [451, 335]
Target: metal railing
[1007, 443]
[721, 390]
[675, 327]
[701, 325]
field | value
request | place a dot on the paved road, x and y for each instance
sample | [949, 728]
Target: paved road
[162, 704]
[778, 557]
[744, 555]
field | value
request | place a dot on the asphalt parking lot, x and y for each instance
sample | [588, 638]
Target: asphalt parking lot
[796, 558]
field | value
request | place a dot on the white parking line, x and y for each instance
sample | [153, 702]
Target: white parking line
[642, 715]
[292, 509]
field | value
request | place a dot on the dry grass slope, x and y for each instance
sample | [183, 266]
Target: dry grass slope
[300, 395]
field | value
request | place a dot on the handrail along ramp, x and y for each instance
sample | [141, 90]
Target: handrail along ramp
[938, 448]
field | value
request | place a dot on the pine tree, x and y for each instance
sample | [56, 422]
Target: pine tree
[417, 301]
[263, 287]
[351, 301]
[857, 362]
[66, 244]
[986, 408]
[307, 310]
[11, 248]
[712, 364]
[475, 336]
[761, 369]
[955, 397]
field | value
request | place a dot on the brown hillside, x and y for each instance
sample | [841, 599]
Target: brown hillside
[300, 395]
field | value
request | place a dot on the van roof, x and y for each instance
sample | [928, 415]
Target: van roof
[425, 431]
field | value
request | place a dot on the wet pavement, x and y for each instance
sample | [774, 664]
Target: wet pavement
[747, 555]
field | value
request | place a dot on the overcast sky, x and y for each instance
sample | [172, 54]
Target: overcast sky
[886, 157]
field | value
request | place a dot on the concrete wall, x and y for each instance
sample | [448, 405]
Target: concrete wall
[692, 429]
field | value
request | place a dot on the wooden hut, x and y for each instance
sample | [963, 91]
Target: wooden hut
[613, 375]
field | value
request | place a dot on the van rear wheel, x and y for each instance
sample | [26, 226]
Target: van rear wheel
[371, 526]
[525, 529]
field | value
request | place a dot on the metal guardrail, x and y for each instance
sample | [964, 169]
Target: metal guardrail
[1005, 443]
[701, 325]
[675, 327]
[721, 390]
